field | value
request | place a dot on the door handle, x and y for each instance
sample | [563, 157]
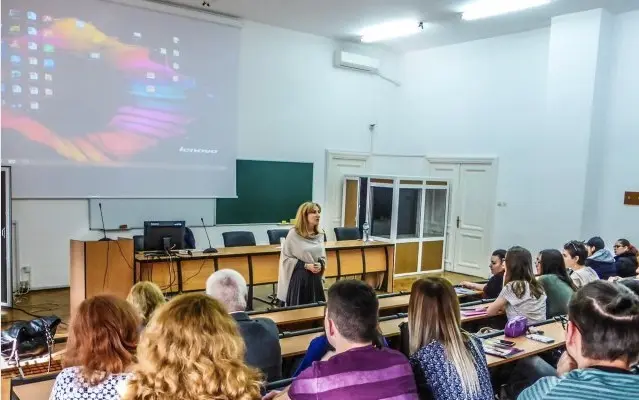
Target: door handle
[458, 221]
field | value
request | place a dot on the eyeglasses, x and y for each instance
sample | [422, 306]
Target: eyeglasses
[564, 321]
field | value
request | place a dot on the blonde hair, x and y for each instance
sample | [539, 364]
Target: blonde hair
[301, 220]
[192, 350]
[146, 297]
[434, 315]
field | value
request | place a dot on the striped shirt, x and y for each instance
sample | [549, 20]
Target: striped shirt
[364, 373]
[586, 384]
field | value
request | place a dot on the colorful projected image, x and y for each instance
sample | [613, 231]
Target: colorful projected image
[75, 92]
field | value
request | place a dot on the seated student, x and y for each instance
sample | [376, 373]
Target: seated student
[103, 336]
[145, 296]
[602, 341]
[600, 259]
[626, 259]
[522, 295]
[358, 370]
[192, 349]
[448, 363]
[261, 335]
[558, 286]
[632, 284]
[494, 285]
[321, 350]
[575, 254]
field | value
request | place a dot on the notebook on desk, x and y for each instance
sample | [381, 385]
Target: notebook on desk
[497, 350]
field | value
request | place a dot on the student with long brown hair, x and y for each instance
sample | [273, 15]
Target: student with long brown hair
[447, 362]
[191, 350]
[103, 336]
[522, 294]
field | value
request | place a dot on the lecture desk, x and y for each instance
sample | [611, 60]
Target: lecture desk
[297, 345]
[260, 265]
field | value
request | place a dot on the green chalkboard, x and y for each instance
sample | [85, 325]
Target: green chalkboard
[267, 192]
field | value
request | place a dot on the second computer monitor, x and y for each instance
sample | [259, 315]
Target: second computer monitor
[164, 235]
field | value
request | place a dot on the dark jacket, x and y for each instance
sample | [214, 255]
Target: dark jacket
[626, 264]
[261, 338]
[603, 262]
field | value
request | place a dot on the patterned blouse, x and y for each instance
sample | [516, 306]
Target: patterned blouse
[70, 385]
[438, 379]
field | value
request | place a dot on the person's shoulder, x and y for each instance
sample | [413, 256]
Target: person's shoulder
[267, 323]
[540, 389]
[68, 374]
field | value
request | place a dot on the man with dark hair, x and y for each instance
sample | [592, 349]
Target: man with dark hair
[358, 370]
[602, 343]
[600, 258]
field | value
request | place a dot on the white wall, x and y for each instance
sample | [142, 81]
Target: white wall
[620, 152]
[293, 106]
[483, 98]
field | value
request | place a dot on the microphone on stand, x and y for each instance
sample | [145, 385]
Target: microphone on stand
[105, 238]
[211, 249]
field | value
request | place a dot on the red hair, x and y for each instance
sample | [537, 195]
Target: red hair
[103, 337]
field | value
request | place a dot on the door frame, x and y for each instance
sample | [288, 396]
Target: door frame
[493, 162]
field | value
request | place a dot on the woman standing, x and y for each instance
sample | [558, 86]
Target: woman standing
[557, 284]
[303, 259]
[447, 362]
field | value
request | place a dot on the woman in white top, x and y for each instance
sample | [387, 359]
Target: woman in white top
[575, 254]
[103, 338]
[303, 259]
[522, 295]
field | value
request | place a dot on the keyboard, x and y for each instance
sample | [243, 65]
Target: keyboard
[33, 369]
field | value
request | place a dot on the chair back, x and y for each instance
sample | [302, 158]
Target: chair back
[274, 235]
[404, 342]
[347, 234]
[238, 238]
[138, 243]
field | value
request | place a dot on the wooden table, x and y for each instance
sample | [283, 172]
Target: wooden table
[297, 345]
[316, 313]
[552, 330]
[260, 265]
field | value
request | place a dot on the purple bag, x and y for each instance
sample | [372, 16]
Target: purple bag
[516, 327]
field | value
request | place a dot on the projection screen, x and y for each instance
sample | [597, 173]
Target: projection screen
[101, 99]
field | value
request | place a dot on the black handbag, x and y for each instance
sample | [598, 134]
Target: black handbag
[26, 339]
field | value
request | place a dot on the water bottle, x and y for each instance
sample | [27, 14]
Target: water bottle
[366, 232]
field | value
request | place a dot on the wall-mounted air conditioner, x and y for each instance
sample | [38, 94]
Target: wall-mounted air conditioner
[344, 59]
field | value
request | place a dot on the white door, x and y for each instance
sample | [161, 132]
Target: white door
[471, 215]
[450, 172]
[338, 165]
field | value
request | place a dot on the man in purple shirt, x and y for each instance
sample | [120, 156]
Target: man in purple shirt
[357, 370]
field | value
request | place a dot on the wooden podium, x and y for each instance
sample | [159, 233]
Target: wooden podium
[100, 267]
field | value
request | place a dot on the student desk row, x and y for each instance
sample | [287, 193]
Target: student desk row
[296, 345]
[260, 265]
[287, 319]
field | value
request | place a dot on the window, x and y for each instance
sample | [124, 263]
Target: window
[381, 210]
[408, 213]
[435, 213]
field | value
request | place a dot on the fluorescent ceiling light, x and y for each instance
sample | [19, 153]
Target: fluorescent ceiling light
[391, 30]
[490, 8]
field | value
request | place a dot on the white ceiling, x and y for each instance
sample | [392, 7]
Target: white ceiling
[343, 19]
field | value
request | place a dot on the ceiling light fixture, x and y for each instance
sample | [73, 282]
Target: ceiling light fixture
[391, 30]
[490, 8]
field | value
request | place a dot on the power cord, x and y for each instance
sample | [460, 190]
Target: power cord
[106, 269]
[195, 274]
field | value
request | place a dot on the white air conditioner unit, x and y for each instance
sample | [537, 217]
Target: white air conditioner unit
[344, 59]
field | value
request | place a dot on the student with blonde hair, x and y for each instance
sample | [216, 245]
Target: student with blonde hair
[146, 297]
[303, 259]
[191, 350]
[447, 362]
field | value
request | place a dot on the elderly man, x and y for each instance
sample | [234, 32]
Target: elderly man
[260, 335]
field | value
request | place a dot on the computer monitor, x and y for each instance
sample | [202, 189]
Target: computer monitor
[164, 235]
